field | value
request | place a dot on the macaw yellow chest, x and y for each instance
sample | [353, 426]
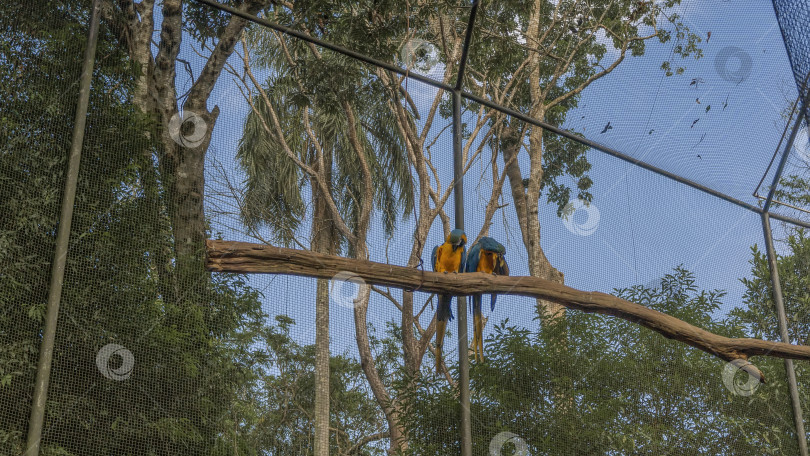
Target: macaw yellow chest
[486, 262]
[448, 260]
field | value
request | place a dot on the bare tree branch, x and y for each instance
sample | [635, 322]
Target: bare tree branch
[365, 441]
[241, 257]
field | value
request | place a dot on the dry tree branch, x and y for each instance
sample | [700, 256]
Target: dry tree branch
[497, 189]
[242, 257]
[366, 440]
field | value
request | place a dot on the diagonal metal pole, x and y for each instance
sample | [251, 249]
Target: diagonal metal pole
[778, 175]
[458, 201]
[463, 353]
[778, 298]
[58, 267]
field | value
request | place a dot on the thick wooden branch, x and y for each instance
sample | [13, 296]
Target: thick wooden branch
[226, 42]
[242, 257]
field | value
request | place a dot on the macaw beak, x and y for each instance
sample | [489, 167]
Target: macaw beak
[502, 264]
[460, 243]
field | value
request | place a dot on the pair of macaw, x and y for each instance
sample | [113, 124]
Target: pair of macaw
[486, 255]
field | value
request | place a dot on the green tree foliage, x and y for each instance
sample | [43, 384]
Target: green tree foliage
[556, 50]
[758, 319]
[794, 189]
[625, 389]
[189, 361]
[39, 88]
[276, 415]
[794, 273]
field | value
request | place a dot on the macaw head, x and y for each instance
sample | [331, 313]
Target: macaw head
[457, 238]
[491, 245]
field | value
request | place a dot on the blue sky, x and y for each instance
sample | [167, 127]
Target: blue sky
[647, 224]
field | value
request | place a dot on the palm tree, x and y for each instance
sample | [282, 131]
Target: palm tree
[316, 115]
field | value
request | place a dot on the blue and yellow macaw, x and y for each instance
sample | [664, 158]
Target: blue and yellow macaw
[448, 257]
[486, 255]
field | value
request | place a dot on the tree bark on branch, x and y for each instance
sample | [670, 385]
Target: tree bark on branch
[181, 163]
[242, 257]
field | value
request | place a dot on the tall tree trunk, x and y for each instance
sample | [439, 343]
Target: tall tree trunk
[182, 158]
[539, 266]
[186, 183]
[322, 369]
[526, 201]
[324, 240]
[390, 408]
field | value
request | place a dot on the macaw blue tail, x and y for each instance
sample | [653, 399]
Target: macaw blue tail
[478, 328]
[440, 327]
[444, 313]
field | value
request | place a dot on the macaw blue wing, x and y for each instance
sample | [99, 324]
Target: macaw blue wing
[473, 258]
[471, 265]
[433, 258]
[475, 304]
[444, 311]
[501, 268]
[463, 264]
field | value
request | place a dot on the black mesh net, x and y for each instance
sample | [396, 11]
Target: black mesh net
[793, 17]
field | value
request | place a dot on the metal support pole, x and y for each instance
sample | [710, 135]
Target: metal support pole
[463, 353]
[62, 237]
[783, 331]
[458, 201]
[778, 298]
[778, 175]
